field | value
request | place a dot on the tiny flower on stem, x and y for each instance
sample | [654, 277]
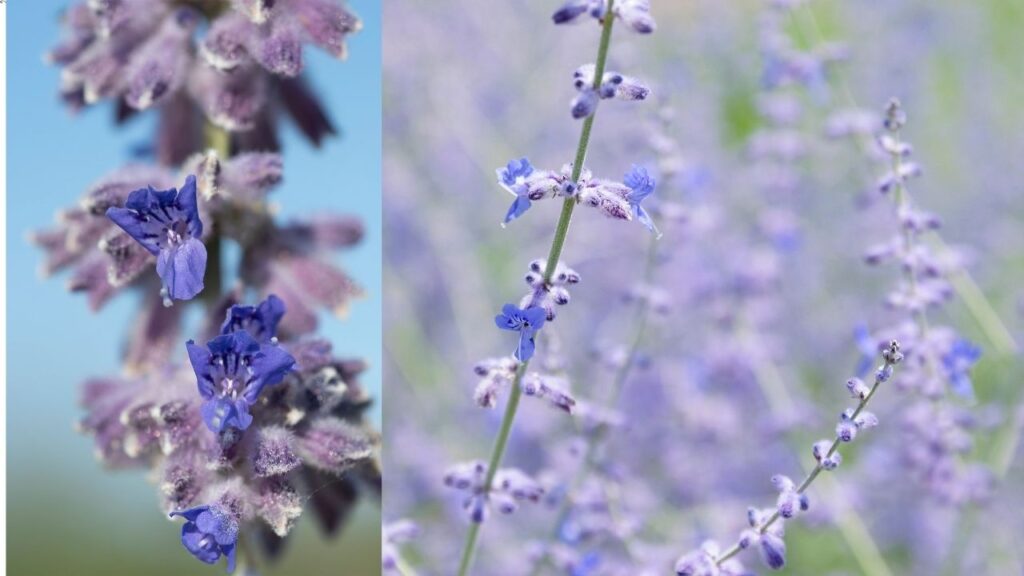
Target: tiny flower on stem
[526, 321]
[209, 532]
[958, 362]
[259, 321]
[641, 185]
[167, 224]
[232, 370]
[513, 178]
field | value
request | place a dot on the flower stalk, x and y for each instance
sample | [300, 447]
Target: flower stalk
[557, 245]
[826, 459]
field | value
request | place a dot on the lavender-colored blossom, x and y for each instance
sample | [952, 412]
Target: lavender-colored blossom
[549, 389]
[259, 321]
[612, 85]
[232, 371]
[548, 295]
[166, 223]
[510, 487]
[145, 54]
[525, 321]
[958, 363]
[513, 178]
[210, 532]
[305, 442]
[634, 13]
[641, 185]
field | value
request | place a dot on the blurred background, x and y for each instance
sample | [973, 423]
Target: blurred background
[66, 515]
[777, 228]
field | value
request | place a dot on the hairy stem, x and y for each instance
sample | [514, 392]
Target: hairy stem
[557, 244]
[813, 474]
[218, 140]
[851, 526]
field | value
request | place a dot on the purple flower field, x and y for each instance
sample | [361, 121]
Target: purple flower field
[804, 358]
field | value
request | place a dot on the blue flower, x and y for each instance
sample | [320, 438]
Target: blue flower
[587, 565]
[166, 223]
[867, 347]
[259, 321]
[209, 532]
[958, 362]
[513, 178]
[641, 185]
[527, 322]
[232, 370]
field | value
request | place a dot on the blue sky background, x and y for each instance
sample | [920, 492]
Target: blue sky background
[55, 341]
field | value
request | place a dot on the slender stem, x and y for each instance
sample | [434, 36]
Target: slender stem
[218, 140]
[581, 149]
[852, 528]
[809, 479]
[561, 231]
[492, 468]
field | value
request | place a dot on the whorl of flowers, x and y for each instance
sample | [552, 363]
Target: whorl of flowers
[250, 431]
[241, 72]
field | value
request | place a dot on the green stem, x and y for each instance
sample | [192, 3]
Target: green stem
[561, 231]
[809, 479]
[492, 468]
[852, 528]
[581, 150]
[218, 140]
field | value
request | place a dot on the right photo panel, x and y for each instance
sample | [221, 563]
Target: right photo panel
[702, 288]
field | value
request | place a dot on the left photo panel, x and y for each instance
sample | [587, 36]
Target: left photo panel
[194, 287]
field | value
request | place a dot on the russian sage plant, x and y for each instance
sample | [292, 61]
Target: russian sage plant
[767, 526]
[252, 419]
[487, 485]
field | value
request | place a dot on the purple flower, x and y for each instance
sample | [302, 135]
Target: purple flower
[773, 551]
[513, 178]
[259, 321]
[232, 370]
[167, 224]
[634, 13]
[641, 185]
[612, 85]
[525, 321]
[585, 103]
[209, 532]
[573, 9]
[958, 362]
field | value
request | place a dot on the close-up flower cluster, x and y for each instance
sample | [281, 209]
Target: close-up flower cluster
[243, 415]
